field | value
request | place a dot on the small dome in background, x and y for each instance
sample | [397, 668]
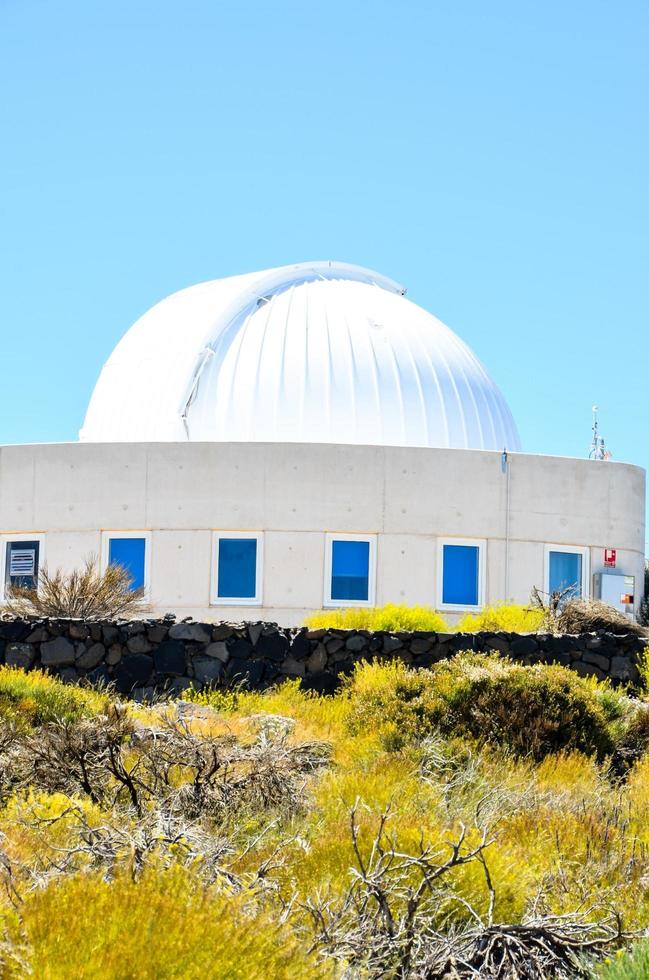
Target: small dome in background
[317, 353]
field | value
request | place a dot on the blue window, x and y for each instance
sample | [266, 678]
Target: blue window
[565, 572]
[237, 568]
[130, 554]
[21, 567]
[350, 570]
[461, 575]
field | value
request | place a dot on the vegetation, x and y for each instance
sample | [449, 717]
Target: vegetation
[633, 965]
[159, 926]
[552, 614]
[644, 605]
[529, 711]
[85, 593]
[478, 819]
[562, 614]
[587, 615]
[30, 700]
[391, 618]
[508, 618]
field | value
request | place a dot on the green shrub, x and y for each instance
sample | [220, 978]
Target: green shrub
[643, 667]
[631, 965]
[631, 734]
[390, 618]
[527, 710]
[509, 619]
[34, 698]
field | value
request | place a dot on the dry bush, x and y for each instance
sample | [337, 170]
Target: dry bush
[562, 614]
[78, 756]
[588, 615]
[541, 947]
[70, 842]
[85, 593]
[397, 919]
[168, 768]
[142, 798]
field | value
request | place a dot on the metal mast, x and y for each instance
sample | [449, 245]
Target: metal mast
[598, 448]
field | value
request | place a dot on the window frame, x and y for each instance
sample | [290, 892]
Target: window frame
[107, 535]
[257, 599]
[6, 539]
[570, 549]
[328, 602]
[481, 545]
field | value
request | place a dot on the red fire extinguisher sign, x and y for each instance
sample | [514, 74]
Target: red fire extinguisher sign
[610, 557]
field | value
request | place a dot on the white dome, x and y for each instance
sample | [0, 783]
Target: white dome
[318, 352]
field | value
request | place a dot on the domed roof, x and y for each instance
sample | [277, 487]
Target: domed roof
[317, 352]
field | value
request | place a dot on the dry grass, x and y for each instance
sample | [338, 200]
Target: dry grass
[561, 614]
[588, 615]
[85, 593]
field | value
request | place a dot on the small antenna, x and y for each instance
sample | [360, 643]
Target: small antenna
[598, 448]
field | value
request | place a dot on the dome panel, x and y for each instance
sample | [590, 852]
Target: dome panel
[320, 352]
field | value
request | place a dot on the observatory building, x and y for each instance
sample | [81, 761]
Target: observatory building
[268, 444]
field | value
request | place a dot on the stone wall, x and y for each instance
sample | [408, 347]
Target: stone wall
[139, 657]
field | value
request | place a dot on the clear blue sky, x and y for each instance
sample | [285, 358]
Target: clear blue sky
[493, 157]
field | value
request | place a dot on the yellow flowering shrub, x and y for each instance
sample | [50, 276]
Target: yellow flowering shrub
[164, 925]
[506, 618]
[391, 618]
[34, 697]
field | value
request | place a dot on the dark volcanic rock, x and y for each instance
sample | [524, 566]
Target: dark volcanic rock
[196, 632]
[20, 655]
[523, 646]
[139, 643]
[170, 658]
[207, 669]
[100, 676]
[57, 653]
[300, 647]
[242, 649]
[132, 671]
[91, 657]
[598, 660]
[15, 630]
[293, 668]
[78, 631]
[624, 669]
[246, 673]
[275, 647]
[588, 670]
[322, 683]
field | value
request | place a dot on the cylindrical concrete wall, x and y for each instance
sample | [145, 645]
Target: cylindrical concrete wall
[71, 496]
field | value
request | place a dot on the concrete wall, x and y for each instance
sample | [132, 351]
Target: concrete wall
[295, 494]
